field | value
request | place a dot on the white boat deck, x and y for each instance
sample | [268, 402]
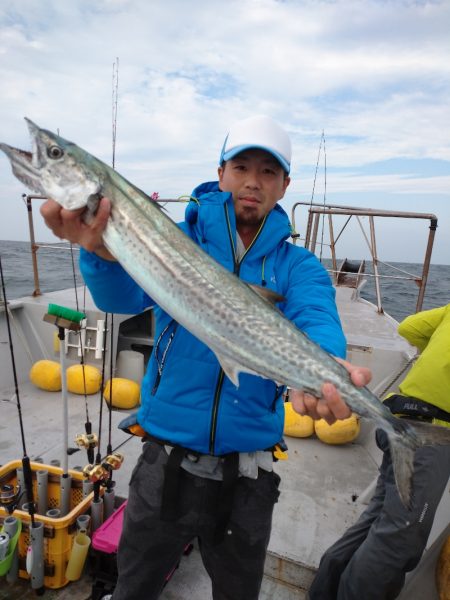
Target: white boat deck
[323, 487]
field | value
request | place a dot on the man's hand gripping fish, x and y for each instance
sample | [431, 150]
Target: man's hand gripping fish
[244, 330]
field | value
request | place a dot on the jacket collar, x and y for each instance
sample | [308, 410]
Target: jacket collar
[206, 214]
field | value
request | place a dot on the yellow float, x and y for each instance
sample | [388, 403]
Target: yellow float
[125, 393]
[341, 432]
[89, 384]
[296, 425]
[46, 375]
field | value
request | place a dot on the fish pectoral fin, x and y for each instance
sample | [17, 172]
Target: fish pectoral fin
[270, 295]
[232, 369]
[403, 464]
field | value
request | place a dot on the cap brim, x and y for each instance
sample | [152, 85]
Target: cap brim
[238, 149]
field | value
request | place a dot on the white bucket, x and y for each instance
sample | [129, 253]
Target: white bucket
[130, 365]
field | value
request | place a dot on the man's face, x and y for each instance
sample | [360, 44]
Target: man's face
[257, 181]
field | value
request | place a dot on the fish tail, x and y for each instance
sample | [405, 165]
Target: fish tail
[402, 456]
[408, 436]
[429, 434]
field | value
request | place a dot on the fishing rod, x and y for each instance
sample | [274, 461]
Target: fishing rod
[89, 440]
[322, 141]
[99, 472]
[115, 90]
[324, 193]
[13, 499]
[10, 497]
[113, 460]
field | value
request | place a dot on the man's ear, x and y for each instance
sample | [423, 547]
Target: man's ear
[220, 171]
[287, 181]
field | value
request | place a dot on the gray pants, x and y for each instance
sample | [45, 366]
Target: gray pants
[371, 559]
[149, 547]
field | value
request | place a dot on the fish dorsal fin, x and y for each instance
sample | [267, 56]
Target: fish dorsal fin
[232, 369]
[267, 294]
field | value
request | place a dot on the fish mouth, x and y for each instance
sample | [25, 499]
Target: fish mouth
[26, 165]
[23, 167]
[15, 154]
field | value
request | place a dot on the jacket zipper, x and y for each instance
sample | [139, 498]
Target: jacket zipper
[219, 385]
[278, 391]
[161, 364]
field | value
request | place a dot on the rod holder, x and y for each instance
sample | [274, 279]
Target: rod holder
[81, 543]
[84, 523]
[109, 497]
[42, 493]
[96, 514]
[37, 552]
[66, 488]
[88, 487]
[10, 525]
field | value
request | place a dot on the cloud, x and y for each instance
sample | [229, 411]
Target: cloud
[374, 76]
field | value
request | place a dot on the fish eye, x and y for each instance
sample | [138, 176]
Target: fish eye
[55, 152]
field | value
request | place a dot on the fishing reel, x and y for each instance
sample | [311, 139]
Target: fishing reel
[86, 440]
[114, 461]
[10, 497]
[101, 472]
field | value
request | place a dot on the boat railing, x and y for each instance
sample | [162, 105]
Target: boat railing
[316, 213]
[35, 246]
[316, 218]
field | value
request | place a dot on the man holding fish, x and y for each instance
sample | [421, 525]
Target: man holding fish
[206, 468]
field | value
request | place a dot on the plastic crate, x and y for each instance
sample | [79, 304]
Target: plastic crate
[105, 543]
[58, 533]
[106, 538]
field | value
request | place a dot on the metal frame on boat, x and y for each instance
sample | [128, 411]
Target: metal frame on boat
[316, 211]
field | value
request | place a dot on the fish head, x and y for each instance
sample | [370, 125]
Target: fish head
[55, 168]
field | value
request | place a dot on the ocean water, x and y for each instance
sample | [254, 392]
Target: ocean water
[58, 266]
[54, 268]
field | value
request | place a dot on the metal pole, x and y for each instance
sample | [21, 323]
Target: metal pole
[66, 479]
[315, 232]
[426, 264]
[65, 402]
[373, 251]
[34, 247]
[332, 248]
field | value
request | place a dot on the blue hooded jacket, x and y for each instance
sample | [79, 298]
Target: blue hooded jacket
[185, 397]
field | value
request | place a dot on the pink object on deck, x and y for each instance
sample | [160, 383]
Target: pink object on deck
[106, 537]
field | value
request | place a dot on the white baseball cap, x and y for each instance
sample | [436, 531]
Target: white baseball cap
[258, 132]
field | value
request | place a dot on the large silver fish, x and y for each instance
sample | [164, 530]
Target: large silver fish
[245, 331]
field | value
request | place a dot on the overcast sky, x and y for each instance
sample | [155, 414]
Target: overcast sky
[374, 76]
